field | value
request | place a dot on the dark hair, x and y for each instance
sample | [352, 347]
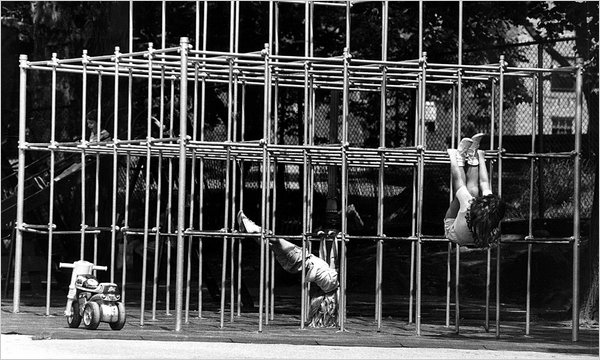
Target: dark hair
[323, 311]
[483, 219]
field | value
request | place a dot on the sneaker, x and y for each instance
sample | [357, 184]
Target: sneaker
[472, 158]
[245, 224]
[461, 153]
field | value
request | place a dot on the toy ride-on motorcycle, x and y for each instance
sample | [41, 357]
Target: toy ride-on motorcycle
[91, 301]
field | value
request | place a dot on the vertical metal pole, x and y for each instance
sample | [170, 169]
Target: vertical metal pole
[459, 103]
[201, 175]
[304, 292]
[449, 259]
[414, 199]
[113, 233]
[170, 201]
[97, 172]
[420, 175]
[420, 28]
[460, 31]
[20, 181]
[344, 185]
[232, 177]
[200, 208]
[157, 245]
[84, 62]
[274, 41]
[51, 195]
[227, 168]
[148, 179]
[266, 115]
[540, 131]
[184, 43]
[237, 276]
[163, 22]
[130, 42]
[381, 184]
[114, 228]
[486, 324]
[304, 287]
[267, 179]
[157, 235]
[577, 199]
[531, 183]
[190, 238]
[241, 185]
[97, 177]
[489, 250]
[502, 67]
[415, 251]
[414, 208]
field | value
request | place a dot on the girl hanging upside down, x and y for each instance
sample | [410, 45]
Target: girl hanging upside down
[474, 215]
[324, 304]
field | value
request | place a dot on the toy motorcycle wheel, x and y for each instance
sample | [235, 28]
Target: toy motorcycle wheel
[118, 325]
[75, 318]
[91, 315]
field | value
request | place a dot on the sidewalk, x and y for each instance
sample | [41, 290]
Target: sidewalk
[24, 347]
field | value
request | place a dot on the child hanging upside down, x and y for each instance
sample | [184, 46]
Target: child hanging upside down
[323, 304]
[474, 215]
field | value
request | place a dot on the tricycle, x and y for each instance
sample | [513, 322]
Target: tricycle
[91, 301]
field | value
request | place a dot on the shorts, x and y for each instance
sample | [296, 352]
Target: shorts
[291, 261]
[457, 231]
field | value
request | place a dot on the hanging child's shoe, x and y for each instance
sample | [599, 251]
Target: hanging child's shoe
[245, 224]
[461, 153]
[472, 158]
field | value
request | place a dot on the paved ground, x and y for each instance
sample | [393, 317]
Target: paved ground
[282, 337]
[24, 347]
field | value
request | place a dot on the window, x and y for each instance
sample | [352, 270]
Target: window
[562, 125]
[563, 81]
[430, 115]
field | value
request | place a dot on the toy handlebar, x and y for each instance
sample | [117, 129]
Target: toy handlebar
[72, 266]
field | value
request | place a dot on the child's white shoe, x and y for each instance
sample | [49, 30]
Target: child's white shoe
[247, 225]
[472, 158]
[461, 151]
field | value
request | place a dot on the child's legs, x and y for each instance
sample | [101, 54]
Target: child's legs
[288, 255]
[473, 180]
[457, 172]
[484, 180]
[281, 246]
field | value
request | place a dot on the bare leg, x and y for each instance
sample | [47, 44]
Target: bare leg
[280, 246]
[473, 180]
[457, 172]
[484, 180]
[458, 181]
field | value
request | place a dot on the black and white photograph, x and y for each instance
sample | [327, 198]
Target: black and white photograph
[299, 179]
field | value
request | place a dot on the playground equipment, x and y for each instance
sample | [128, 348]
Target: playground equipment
[91, 301]
[179, 67]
